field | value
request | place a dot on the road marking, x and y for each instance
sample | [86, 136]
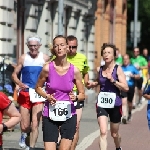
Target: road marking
[87, 141]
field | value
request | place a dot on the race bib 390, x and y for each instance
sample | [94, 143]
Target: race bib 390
[106, 100]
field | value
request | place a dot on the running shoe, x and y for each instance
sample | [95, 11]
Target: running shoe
[119, 148]
[27, 148]
[22, 143]
[124, 120]
[129, 117]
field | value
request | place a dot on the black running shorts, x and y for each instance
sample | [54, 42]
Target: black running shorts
[51, 129]
[129, 94]
[79, 105]
[114, 114]
[138, 83]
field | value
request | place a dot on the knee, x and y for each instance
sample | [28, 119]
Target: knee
[34, 125]
[25, 128]
[103, 134]
[114, 134]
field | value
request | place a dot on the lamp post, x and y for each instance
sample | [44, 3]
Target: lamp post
[135, 21]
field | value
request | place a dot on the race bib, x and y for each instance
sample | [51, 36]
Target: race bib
[127, 74]
[106, 100]
[61, 111]
[34, 97]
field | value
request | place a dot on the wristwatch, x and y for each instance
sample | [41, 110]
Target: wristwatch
[5, 128]
[76, 98]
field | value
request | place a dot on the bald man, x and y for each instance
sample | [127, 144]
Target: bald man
[131, 74]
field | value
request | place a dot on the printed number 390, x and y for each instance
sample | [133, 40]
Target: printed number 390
[106, 100]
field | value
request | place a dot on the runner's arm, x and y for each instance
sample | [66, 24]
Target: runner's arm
[146, 96]
[122, 83]
[86, 79]
[79, 84]
[136, 74]
[41, 81]
[17, 70]
[14, 115]
[146, 91]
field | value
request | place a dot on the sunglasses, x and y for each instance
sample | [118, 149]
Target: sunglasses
[136, 51]
[72, 47]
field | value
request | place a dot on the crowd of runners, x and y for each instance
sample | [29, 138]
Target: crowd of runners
[52, 90]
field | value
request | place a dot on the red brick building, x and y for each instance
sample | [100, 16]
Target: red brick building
[110, 25]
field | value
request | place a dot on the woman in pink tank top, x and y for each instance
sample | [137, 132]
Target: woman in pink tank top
[59, 113]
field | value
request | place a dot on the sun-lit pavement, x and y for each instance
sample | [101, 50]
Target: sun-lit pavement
[135, 136]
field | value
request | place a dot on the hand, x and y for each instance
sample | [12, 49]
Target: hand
[131, 75]
[51, 99]
[17, 88]
[138, 67]
[22, 86]
[91, 84]
[72, 96]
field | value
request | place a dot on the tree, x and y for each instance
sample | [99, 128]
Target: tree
[144, 17]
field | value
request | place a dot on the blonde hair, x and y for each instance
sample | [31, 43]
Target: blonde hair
[50, 46]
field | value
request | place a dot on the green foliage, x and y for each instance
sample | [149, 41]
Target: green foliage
[144, 17]
[130, 53]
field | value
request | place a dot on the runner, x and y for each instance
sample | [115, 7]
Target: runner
[30, 65]
[111, 80]
[146, 95]
[145, 72]
[80, 61]
[7, 108]
[60, 76]
[140, 63]
[131, 74]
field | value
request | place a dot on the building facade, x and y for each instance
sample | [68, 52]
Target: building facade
[21, 18]
[110, 25]
[93, 22]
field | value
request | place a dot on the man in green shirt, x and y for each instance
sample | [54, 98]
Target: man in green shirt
[80, 61]
[118, 58]
[140, 63]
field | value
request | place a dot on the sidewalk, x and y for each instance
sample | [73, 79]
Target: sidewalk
[134, 136]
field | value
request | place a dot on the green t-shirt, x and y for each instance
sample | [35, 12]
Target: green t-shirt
[119, 60]
[80, 61]
[139, 61]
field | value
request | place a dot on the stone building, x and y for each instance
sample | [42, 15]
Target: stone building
[110, 25]
[93, 22]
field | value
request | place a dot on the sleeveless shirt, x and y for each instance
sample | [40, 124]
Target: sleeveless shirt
[61, 85]
[31, 69]
[107, 86]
